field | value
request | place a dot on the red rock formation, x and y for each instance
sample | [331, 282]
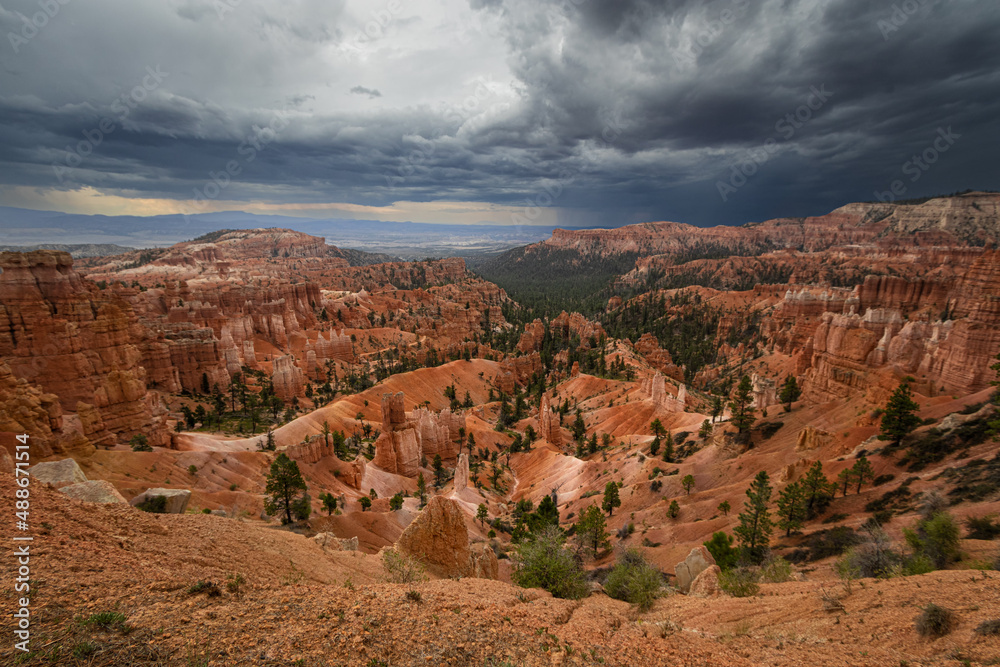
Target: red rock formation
[287, 378]
[61, 332]
[906, 337]
[406, 439]
[548, 423]
[656, 387]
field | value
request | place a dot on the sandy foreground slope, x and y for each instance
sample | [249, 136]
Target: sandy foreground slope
[301, 606]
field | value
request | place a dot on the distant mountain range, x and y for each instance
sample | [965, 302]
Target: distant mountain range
[409, 240]
[77, 250]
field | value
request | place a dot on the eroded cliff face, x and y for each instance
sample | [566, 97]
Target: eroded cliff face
[78, 343]
[947, 221]
[942, 333]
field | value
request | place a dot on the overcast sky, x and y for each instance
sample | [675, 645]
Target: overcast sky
[570, 112]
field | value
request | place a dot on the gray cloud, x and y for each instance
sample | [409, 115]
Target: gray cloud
[648, 104]
[370, 92]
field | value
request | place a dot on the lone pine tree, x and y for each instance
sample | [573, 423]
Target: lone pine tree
[754, 531]
[900, 417]
[283, 484]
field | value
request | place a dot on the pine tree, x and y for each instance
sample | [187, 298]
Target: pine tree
[421, 489]
[329, 502]
[482, 513]
[706, 430]
[611, 499]
[790, 392]
[899, 418]
[845, 479]
[283, 484]
[438, 471]
[674, 510]
[717, 406]
[724, 507]
[591, 531]
[818, 490]
[579, 427]
[656, 426]
[754, 531]
[742, 405]
[688, 483]
[791, 508]
[668, 448]
[863, 472]
[654, 447]
[365, 502]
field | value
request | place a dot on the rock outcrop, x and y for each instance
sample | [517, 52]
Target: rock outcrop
[688, 569]
[656, 388]
[462, 472]
[548, 423]
[406, 438]
[79, 343]
[439, 539]
[706, 584]
[58, 473]
[330, 542]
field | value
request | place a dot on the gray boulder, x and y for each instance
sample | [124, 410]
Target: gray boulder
[95, 491]
[58, 473]
[177, 499]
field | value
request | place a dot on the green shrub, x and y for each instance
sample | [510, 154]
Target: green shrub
[207, 587]
[918, 564]
[936, 537]
[776, 571]
[234, 584]
[768, 429]
[982, 528]
[140, 443]
[873, 557]
[882, 517]
[543, 563]
[401, 569]
[831, 542]
[634, 580]
[740, 582]
[835, 517]
[721, 547]
[991, 627]
[154, 505]
[105, 620]
[934, 621]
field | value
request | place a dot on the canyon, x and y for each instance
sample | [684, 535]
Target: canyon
[433, 407]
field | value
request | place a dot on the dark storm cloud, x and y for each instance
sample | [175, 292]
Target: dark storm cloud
[636, 109]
